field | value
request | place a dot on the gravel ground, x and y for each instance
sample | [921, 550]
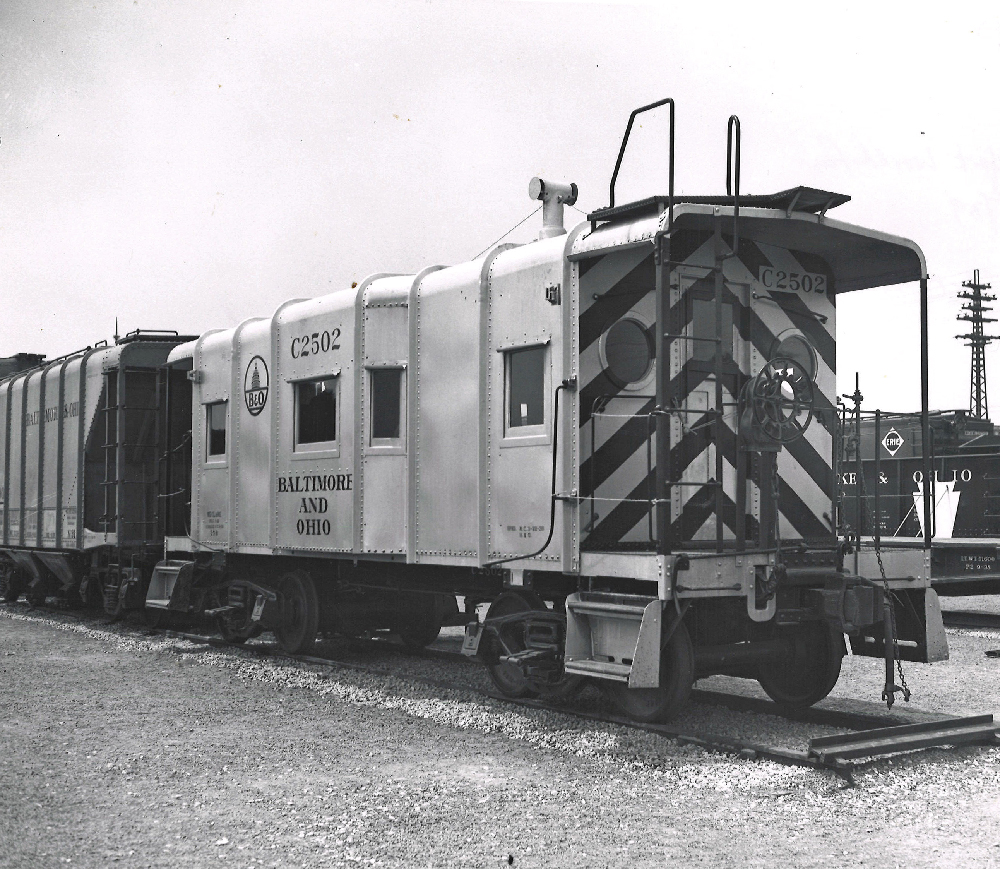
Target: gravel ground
[127, 750]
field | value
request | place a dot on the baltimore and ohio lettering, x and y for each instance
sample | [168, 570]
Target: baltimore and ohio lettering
[51, 414]
[316, 483]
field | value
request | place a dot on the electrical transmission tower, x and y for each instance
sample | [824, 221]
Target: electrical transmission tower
[975, 309]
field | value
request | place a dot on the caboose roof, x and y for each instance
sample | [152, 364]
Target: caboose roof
[859, 257]
[806, 199]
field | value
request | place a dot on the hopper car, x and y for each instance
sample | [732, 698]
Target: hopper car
[613, 444]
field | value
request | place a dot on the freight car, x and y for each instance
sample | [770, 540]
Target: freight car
[964, 485]
[621, 438]
[79, 502]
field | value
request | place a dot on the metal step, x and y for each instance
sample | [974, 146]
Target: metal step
[888, 740]
[596, 607]
[601, 669]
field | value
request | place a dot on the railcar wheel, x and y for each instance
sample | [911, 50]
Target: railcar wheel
[508, 678]
[155, 618]
[420, 618]
[299, 622]
[676, 679]
[11, 585]
[420, 633]
[36, 596]
[807, 676]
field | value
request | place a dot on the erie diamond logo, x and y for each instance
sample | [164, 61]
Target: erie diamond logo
[892, 441]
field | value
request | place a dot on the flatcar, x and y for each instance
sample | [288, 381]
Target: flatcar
[620, 438]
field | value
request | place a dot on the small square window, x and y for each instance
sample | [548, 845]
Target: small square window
[316, 413]
[525, 387]
[386, 403]
[216, 419]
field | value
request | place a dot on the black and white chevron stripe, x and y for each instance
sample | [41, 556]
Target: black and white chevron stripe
[617, 452]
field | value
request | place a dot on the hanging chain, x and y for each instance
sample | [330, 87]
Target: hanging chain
[890, 597]
[777, 511]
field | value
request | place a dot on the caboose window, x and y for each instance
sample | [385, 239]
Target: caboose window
[316, 412]
[216, 417]
[386, 403]
[628, 352]
[525, 387]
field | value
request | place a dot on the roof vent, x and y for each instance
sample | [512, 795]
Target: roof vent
[553, 196]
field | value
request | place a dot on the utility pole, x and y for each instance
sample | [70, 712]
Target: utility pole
[977, 341]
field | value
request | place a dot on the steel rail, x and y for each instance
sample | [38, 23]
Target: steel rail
[837, 753]
[971, 619]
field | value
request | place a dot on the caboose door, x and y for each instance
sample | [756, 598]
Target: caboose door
[704, 450]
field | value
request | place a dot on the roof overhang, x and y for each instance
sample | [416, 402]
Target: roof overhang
[859, 258]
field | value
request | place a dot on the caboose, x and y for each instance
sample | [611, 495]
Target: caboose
[614, 445]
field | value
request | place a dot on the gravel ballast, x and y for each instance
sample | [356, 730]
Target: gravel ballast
[132, 750]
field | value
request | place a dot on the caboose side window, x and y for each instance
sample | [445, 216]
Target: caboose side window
[216, 428]
[386, 404]
[525, 375]
[316, 413]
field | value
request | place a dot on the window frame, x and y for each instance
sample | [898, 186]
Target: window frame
[646, 325]
[318, 449]
[527, 435]
[209, 458]
[385, 446]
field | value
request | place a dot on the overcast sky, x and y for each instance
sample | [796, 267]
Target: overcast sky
[185, 165]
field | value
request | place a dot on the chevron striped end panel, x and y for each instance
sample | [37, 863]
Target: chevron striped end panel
[769, 294]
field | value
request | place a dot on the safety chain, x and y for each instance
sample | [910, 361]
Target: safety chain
[777, 511]
[889, 596]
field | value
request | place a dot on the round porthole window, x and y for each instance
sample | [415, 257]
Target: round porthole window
[628, 352]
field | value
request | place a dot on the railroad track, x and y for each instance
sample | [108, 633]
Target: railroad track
[971, 619]
[869, 735]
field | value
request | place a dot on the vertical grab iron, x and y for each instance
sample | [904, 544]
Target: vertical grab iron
[663, 270]
[661, 256]
[925, 426]
[732, 174]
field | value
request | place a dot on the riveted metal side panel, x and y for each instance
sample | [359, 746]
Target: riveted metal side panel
[446, 415]
[314, 486]
[50, 426]
[213, 361]
[520, 455]
[69, 466]
[382, 488]
[5, 461]
[250, 457]
[30, 459]
[15, 469]
[569, 452]
[94, 435]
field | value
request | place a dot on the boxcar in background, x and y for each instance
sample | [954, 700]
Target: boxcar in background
[965, 553]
